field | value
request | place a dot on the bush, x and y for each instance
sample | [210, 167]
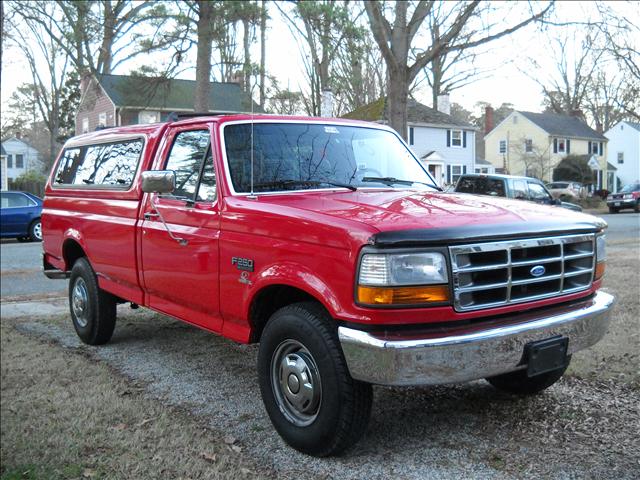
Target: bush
[573, 168]
[32, 182]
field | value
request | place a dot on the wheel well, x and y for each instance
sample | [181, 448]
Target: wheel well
[71, 251]
[271, 299]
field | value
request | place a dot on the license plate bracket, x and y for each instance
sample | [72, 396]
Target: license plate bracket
[546, 355]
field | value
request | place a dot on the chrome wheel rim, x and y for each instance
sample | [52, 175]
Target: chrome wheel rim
[80, 302]
[37, 231]
[296, 384]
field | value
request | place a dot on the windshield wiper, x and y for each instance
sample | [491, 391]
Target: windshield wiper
[285, 183]
[391, 180]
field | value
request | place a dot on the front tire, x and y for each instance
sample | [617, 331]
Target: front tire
[93, 311]
[519, 383]
[312, 401]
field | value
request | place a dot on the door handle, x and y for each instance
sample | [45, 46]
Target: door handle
[151, 215]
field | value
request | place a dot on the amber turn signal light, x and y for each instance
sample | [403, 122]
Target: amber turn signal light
[600, 267]
[403, 295]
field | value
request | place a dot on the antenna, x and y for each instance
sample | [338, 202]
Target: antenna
[252, 195]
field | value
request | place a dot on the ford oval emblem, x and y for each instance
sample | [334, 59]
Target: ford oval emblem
[537, 271]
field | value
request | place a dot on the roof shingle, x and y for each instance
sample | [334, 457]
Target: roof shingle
[172, 94]
[562, 125]
[416, 113]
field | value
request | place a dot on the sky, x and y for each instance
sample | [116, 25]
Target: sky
[506, 62]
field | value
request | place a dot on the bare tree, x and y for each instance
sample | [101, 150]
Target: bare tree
[325, 25]
[449, 70]
[535, 158]
[48, 65]
[396, 41]
[566, 90]
[97, 35]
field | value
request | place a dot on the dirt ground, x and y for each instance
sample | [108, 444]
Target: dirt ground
[165, 400]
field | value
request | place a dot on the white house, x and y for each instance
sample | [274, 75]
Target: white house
[446, 146]
[624, 151]
[4, 184]
[21, 158]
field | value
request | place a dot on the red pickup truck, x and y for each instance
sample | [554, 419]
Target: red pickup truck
[327, 242]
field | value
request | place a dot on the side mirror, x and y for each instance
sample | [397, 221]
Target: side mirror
[557, 201]
[158, 181]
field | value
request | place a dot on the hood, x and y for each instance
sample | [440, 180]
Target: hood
[429, 216]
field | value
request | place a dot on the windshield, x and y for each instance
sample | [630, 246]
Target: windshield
[632, 187]
[304, 156]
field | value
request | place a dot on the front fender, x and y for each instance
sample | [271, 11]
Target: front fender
[298, 276]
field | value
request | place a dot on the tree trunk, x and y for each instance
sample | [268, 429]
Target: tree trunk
[203, 57]
[105, 56]
[263, 33]
[398, 91]
[247, 55]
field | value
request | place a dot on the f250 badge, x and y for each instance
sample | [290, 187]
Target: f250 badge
[245, 264]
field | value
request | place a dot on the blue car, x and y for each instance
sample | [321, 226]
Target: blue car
[20, 216]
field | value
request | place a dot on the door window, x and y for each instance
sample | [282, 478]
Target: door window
[537, 193]
[190, 158]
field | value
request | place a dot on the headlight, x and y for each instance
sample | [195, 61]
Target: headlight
[601, 256]
[403, 269]
[403, 279]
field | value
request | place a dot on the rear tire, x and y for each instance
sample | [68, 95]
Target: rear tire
[637, 207]
[35, 231]
[312, 401]
[93, 311]
[519, 383]
[613, 210]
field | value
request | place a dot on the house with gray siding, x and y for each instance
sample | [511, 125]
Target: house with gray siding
[115, 100]
[21, 158]
[445, 145]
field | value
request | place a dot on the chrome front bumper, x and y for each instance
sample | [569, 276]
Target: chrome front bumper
[459, 354]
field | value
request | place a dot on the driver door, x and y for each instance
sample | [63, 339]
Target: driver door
[180, 255]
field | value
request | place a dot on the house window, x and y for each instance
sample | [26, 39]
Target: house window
[456, 172]
[148, 116]
[562, 145]
[102, 119]
[85, 125]
[9, 161]
[410, 135]
[620, 157]
[19, 161]
[456, 138]
[593, 148]
[528, 145]
[503, 146]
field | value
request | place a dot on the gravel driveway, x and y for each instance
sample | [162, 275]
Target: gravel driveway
[580, 428]
[586, 426]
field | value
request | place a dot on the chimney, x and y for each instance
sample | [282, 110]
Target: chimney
[444, 105]
[326, 105]
[488, 119]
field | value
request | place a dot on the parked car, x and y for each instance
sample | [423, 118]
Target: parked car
[20, 216]
[329, 243]
[572, 190]
[520, 188]
[628, 197]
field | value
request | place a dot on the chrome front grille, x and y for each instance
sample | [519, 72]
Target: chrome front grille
[516, 271]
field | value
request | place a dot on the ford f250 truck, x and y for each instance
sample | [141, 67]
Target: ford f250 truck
[327, 242]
